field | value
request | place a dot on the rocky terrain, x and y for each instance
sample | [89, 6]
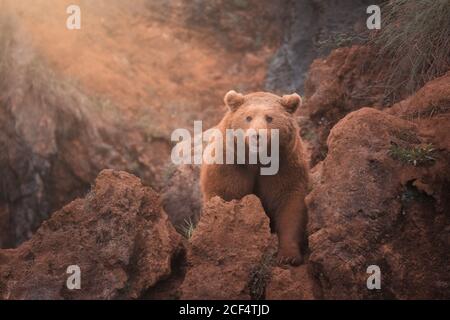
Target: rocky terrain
[87, 178]
[118, 235]
[126, 248]
[313, 28]
[136, 74]
[55, 139]
[373, 203]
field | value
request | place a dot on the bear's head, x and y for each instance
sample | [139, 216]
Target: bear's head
[263, 110]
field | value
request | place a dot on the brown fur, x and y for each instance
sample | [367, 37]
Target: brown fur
[282, 195]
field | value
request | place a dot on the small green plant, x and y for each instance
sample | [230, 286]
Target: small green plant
[186, 229]
[417, 155]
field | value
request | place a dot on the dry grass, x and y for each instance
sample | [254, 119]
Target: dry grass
[340, 39]
[413, 44]
[186, 229]
[411, 49]
[24, 74]
[260, 275]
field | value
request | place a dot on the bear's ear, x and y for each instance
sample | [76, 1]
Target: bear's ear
[233, 100]
[291, 102]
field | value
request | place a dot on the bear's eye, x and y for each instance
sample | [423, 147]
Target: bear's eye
[248, 119]
[269, 119]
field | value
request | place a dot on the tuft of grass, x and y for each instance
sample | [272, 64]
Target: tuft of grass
[417, 155]
[414, 42]
[186, 229]
[260, 275]
[340, 39]
[430, 112]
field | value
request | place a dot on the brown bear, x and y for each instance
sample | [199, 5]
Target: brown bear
[282, 195]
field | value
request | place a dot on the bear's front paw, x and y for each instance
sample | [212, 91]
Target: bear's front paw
[292, 258]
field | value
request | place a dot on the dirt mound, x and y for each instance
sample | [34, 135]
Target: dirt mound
[381, 198]
[118, 236]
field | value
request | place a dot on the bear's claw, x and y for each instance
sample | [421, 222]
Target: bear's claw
[293, 260]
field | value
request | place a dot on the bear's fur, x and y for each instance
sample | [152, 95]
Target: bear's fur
[282, 195]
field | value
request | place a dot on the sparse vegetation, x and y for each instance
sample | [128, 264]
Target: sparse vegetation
[260, 275]
[430, 112]
[340, 39]
[186, 229]
[417, 155]
[414, 41]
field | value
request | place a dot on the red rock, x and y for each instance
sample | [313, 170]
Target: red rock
[365, 210]
[335, 86]
[118, 235]
[292, 283]
[228, 244]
